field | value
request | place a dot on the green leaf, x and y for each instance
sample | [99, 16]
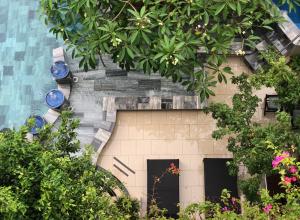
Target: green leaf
[146, 38]
[130, 53]
[227, 69]
[232, 6]
[134, 36]
[220, 8]
[142, 12]
[238, 8]
[206, 18]
[268, 27]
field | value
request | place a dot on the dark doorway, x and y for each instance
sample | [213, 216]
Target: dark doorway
[273, 186]
[167, 190]
[217, 178]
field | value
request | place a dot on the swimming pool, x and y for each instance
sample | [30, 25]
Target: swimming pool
[294, 15]
[25, 60]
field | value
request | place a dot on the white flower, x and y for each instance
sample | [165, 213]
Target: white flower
[115, 41]
[240, 52]
[175, 61]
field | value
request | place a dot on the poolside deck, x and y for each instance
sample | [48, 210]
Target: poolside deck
[93, 87]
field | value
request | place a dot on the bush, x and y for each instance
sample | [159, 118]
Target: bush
[250, 187]
[43, 179]
[129, 208]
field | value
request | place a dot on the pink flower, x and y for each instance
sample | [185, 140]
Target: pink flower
[225, 208]
[294, 179]
[277, 161]
[267, 208]
[173, 169]
[293, 169]
[287, 180]
[279, 158]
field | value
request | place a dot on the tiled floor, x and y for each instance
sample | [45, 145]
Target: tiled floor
[25, 59]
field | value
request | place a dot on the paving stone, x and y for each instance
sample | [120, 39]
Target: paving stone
[111, 116]
[106, 125]
[115, 72]
[102, 135]
[149, 84]
[143, 99]
[100, 85]
[96, 144]
[51, 116]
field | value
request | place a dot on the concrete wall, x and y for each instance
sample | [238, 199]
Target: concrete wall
[183, 135]
[176, 134]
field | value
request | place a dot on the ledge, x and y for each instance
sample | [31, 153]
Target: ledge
[111, 105]
[290, 29]
[51, 116]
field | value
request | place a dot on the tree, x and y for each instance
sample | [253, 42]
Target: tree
[282, 76]
[161, 36]
[248, 140]
[44, 179]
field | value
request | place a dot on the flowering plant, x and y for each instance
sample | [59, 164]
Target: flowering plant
[288, 167]
[280, 206]
[154, 211]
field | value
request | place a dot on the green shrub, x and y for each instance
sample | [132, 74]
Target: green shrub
[250, 187]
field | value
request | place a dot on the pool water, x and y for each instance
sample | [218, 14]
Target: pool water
[294, 15]
[25, 61]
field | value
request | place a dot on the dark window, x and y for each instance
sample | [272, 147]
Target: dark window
[271, 103]
[167, 190]
[217, 178]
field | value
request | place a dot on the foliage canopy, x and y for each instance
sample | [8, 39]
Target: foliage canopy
[43, 179]
[162, 36]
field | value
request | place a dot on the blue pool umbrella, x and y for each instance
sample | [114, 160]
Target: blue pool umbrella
[55, 99]
[59, 70]
[39, 122]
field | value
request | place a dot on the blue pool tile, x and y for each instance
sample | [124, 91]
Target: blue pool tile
[31, 14]
[19, 56]
[8, 70]
[25, 58]
[2, 37]
[2, 119]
